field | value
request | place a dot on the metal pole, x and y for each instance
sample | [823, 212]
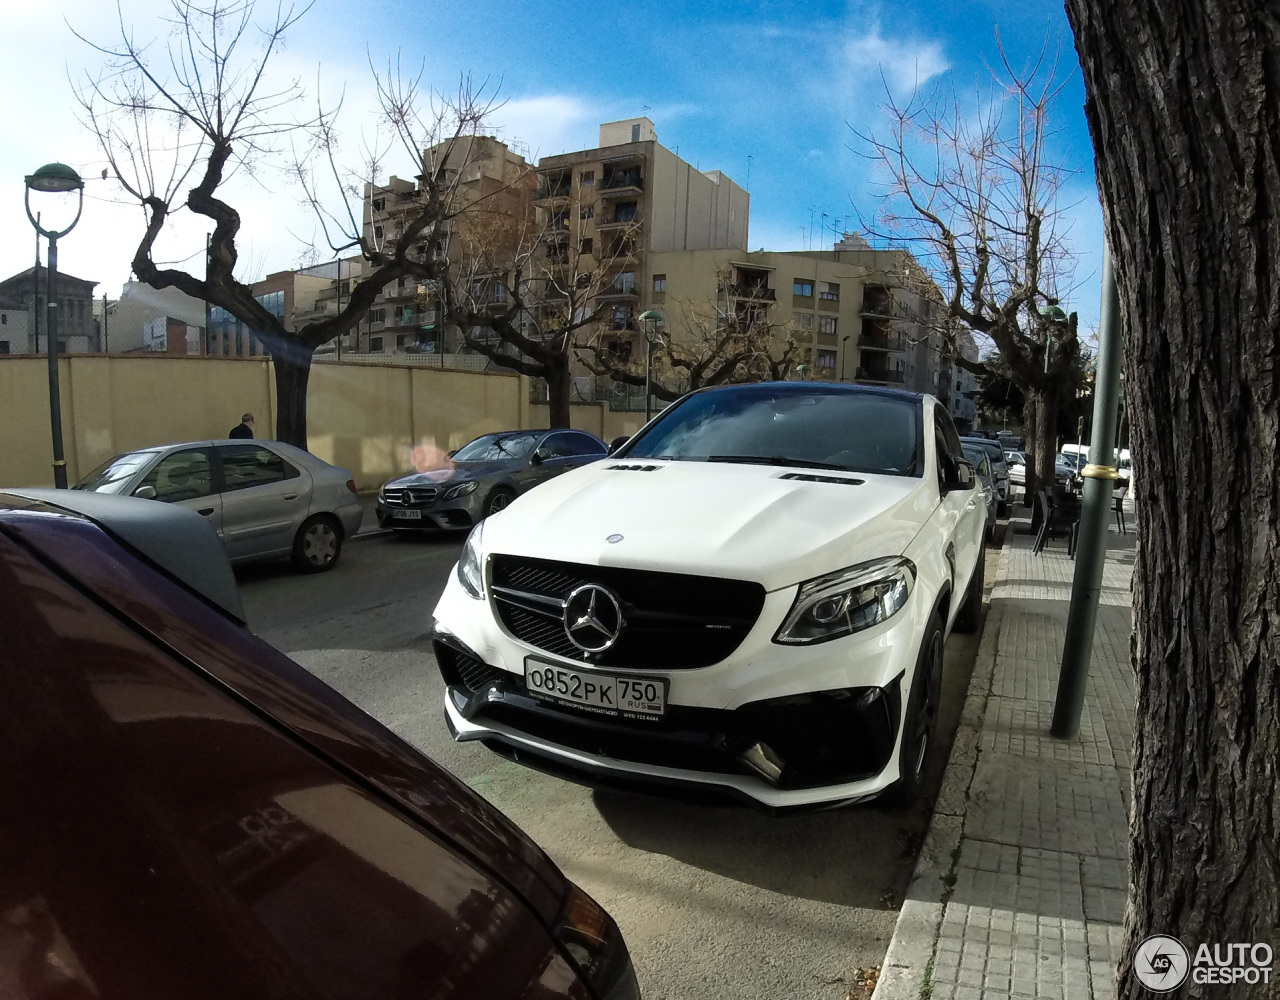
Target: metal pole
[105, 344]
[1091, 549]
[51, 336]
[35, 302]
[648, 374]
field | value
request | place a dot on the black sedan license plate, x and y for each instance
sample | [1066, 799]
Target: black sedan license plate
[605, 694]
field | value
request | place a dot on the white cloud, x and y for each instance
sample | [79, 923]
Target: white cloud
[546, 124]
[904, 64]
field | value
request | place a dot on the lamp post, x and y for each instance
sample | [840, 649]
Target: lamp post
[54, 178]
[654, 318]
[844, 357]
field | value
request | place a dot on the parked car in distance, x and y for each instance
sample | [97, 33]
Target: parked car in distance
[484, 476]
[999, 468]
[189, 813]
[265, 499]
[981, 463]
[749, 598]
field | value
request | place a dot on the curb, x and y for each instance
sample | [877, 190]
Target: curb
[906, 973]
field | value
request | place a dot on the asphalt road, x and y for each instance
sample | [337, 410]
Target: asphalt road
[715, 901]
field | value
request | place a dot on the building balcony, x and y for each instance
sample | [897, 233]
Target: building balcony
[880, 305]
[617, 294]
[758, 293]
[604, 225]
[621, 185]
[894, 343]
[886, 376]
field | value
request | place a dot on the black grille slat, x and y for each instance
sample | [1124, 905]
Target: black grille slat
[674, 621]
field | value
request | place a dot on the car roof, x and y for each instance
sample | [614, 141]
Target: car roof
[852, 388]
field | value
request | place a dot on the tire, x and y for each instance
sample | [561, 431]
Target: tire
[970, 615]
[498, 499]
[1002, 508]
[920, 721]
[317, 545]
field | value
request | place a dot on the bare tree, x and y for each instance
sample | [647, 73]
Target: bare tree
[1183, 103]
[204, 106]
[707, 343]
[976, 195]
[525, 291]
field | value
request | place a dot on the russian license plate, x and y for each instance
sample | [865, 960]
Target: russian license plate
[408, 515]
[605, 694]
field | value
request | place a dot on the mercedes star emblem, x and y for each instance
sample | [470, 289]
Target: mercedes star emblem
[614, 539]
[592, 618]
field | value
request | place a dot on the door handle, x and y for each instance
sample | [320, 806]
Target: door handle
[206, 511]
[291, 496]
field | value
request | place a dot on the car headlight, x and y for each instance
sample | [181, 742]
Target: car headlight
[593, 942]
[461, 490]
[471, 565]
[848, 601]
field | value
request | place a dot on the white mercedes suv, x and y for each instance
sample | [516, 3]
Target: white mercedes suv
[751, 596]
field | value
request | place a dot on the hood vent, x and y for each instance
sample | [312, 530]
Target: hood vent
[635, 468]
[809, 477]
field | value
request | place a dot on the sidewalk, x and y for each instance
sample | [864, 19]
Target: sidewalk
[1020, 887]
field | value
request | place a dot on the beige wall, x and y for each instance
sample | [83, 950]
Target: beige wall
[365, 418]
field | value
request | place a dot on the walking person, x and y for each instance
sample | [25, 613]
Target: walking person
[244, 429]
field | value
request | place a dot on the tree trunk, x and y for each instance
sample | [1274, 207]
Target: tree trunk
[1042, 405]
[293, 371]
[1183, 102]
[559, 389]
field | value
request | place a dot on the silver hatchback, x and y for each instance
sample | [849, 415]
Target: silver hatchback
[265, 499]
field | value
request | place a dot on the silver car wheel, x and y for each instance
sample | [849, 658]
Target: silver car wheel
[320, 544]
[499, 500]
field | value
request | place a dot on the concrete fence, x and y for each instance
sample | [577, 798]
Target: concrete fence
[364, 417]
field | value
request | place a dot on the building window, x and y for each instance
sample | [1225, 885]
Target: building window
[625, 212]
[635, 133]
[4, 347]
[621, 315]
[659, 282]
[375, 343]
[377, 232]
[379, 204]
[625, 282]
[805, 320]
[826, 324]
[587, 212]
[587, 246]
[803, 288]
[826, 359]
[377, 315]
[587, 178]
[401, 341]
[4, 319]
[830, 291]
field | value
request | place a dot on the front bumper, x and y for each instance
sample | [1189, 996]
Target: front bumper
[782, 726]
[442, 515]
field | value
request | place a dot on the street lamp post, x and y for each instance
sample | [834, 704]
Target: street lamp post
[54, 178]
[653, 318]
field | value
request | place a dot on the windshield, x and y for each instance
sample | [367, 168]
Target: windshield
[497, 448]
[812, 427]
[113, 474]
[979, 460]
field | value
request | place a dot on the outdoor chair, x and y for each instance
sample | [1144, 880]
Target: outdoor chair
[1059, 517]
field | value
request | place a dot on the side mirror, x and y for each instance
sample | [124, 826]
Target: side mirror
[961, 478]
[145, 493]
[617, 443]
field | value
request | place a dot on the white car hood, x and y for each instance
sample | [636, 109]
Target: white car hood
[713, 519]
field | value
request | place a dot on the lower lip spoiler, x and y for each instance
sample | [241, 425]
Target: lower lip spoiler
[757, 791]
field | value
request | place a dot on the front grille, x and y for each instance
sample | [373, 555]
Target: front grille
[409, 496]
[673, 621]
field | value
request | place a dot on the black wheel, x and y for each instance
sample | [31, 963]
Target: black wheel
[920, 723]
[317, 545]
[498, 500]
[1002, 508]
[970, 615]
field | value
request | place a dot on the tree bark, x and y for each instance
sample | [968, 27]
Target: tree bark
[1183, 101]
[1042, 405]
[293, 371]
[559, 390]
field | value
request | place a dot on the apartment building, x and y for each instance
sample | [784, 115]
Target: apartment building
[27, 292]
[629, 200]
[964, 406]
[496, 187]
[858, 314]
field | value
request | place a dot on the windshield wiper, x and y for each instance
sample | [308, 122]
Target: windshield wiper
[798, 463]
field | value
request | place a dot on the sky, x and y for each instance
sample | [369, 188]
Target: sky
[774, 94]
